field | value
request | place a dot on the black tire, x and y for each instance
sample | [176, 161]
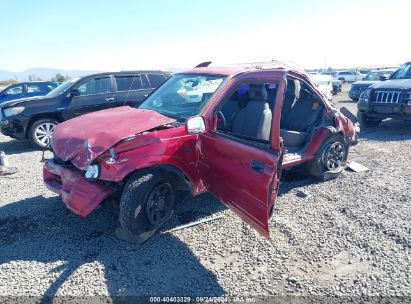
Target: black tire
[366, 121]
[342, 80]
[38, 126]
[137, 202]
[334, 147]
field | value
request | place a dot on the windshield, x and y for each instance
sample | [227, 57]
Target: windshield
[402, 73]
[183, 95]
[372, 76]
[62, 88]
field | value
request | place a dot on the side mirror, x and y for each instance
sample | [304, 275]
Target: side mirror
[383, 77]
[74, 92]
[195, 125]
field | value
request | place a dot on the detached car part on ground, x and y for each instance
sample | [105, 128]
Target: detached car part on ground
[35, 118]
[228, 130]
[387, 99]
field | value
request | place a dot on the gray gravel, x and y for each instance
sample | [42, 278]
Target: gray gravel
[349, 236]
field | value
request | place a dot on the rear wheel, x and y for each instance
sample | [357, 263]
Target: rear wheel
[41, 132]
[368, 122]
[330, 160]
[147, 202]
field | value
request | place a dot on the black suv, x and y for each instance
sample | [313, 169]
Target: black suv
[35, 118]
[387, 99]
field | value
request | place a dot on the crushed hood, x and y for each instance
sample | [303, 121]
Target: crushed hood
[84, 138]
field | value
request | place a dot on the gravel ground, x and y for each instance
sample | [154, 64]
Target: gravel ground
[347, 237]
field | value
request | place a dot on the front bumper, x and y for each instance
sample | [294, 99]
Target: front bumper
[400, 111]
[14, 126]
[79, 195]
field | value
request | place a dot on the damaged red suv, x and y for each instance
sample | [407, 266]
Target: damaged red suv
[227, 130]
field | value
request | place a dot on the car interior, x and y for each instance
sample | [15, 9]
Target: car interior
[248, 113]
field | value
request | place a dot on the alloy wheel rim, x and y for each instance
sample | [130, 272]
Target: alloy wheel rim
[44, 132]
[159, 204]
[334, 156]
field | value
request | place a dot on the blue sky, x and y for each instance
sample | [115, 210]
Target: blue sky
[114, 35]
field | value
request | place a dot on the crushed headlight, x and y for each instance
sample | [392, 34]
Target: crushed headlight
[92, 172]
[12, 111]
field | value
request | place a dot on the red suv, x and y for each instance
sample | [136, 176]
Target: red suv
[226, 130]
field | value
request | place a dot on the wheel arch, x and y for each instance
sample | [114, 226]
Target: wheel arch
[37, 117]
[180, 180]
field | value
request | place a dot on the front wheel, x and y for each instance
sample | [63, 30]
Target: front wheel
[41, 131]
[368, 122]
[330, 160]
[146, 204]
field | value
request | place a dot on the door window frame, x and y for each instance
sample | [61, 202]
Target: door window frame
[137, 75]
[77, 85]
[255, 143]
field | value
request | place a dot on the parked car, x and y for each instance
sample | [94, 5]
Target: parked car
[324, 83]
[358, 87]
[35, 118]
[234, 141]
[26, 89]
[387, 99]
[348, 76]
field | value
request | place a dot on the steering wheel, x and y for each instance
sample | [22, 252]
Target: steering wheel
[221, 122]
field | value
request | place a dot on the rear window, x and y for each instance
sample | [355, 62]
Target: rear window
[126, 83]
[156, 79]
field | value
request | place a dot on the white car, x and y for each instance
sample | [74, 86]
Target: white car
[324, 83]
[349, 76]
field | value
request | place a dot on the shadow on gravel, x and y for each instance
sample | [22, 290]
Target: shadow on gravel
[295, 178]
[389, 130]
[42, 230]
[16, 146]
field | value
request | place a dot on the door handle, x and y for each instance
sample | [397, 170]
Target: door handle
[109, 99]
[257, 166]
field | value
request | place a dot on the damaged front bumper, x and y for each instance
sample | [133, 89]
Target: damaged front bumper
[79, 195]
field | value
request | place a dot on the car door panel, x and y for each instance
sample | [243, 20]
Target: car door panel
[243, 173]
[93, 100]
[131, 98]
[240, 175]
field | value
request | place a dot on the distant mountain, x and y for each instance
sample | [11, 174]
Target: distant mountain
[43, 73]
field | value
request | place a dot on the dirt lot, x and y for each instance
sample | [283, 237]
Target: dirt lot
[347, 237]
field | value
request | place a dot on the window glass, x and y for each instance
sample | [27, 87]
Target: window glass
[126, 83]
[156, 79]
[15, 90]
[183, 95]
[402, 73]
[34, 88]
[95, 86]
[51, 86]
[247, 113]
[144, 80]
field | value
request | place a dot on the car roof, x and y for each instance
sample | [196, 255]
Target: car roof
[242, 68]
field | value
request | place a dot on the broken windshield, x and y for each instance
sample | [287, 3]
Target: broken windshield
[183, 95]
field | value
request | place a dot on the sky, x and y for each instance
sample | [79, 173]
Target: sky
[132, 34]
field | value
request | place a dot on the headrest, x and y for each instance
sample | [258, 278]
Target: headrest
[257, 92]
[293, 88]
